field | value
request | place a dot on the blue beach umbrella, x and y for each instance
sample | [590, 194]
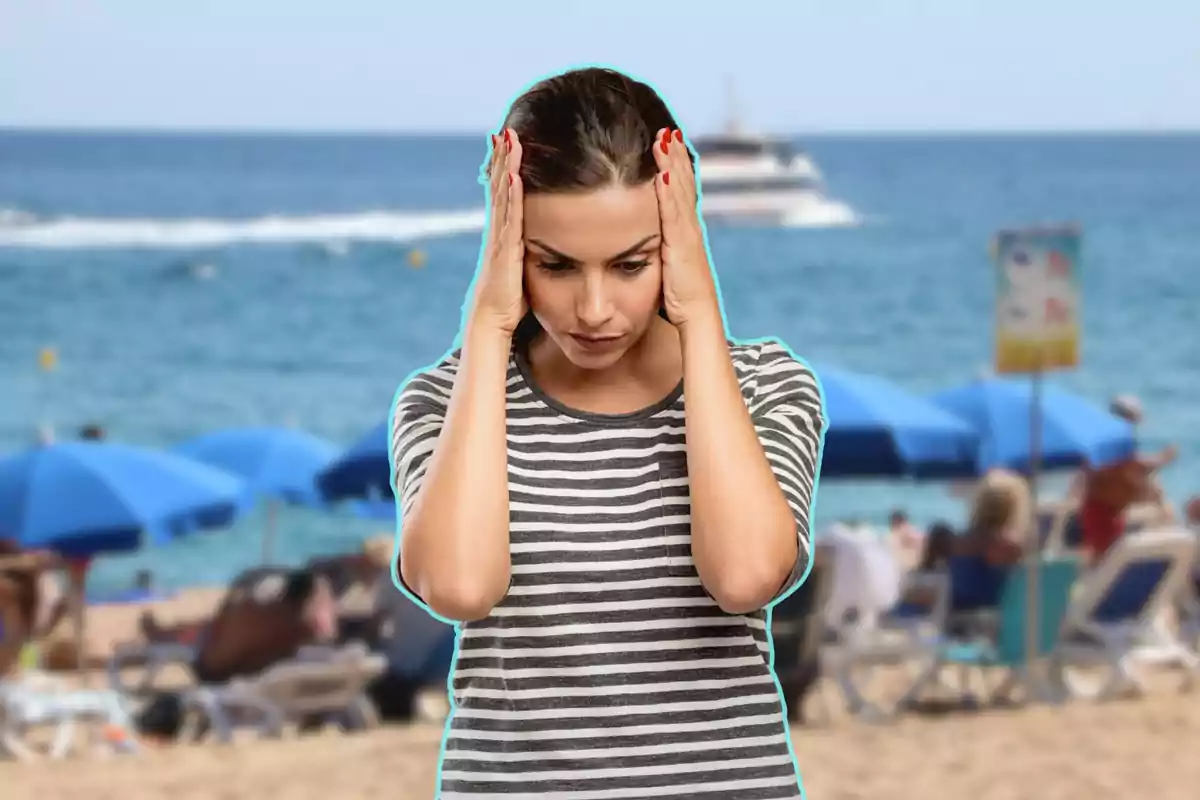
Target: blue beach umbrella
[82, 499]
[279, 463]
[878, 430]
[1074, 431]
[362, 472]
[276, 463]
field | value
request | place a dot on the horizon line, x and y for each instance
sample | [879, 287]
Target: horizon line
[461, 133]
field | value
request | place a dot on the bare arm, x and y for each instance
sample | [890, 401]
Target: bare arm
[452, 480]
[751, 472]
[451, 475]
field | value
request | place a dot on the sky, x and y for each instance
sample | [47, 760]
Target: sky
[797, 66]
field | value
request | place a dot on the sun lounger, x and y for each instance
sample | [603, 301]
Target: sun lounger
[1115, 620]
[319, 683]
[35, 700]
[151, 659]
[904, 635]
[1006, 646]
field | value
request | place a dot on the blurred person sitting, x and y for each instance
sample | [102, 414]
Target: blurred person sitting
[904, 535]
[34, 603]
[982, 558]
[938, 548]
[1126, 493]
[864, 575]
[992, 544]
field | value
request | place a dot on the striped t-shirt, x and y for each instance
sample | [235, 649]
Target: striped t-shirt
[607, 671]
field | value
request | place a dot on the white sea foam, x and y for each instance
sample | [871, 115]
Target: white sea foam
[332, 231]
[20, 230]
[823, 214]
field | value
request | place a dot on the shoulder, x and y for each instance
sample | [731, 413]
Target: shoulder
[429, 388]
[768, 367]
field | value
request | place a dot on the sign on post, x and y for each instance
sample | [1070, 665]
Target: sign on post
[1038, 323]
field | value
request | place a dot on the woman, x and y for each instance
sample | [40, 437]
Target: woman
[937, 549]
[607, 548]
[32, 604]
[992, 545]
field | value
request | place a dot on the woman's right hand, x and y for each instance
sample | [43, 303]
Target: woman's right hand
[499, 300]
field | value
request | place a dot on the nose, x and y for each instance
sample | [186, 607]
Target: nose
[594, 308]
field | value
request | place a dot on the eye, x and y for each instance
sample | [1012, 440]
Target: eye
[555, 266]
[632, 267]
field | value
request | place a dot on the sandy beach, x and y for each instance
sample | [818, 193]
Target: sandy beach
[1119, 749]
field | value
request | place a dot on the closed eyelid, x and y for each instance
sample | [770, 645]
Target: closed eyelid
[543, 250]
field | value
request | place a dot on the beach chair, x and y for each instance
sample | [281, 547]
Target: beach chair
[151, 659]
[1115, 620]
[1187, 613]
[327, 683]
[1007, 648]
[905, 635]
[34, 700]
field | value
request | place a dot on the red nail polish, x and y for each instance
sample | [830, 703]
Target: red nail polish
[679, 136]
[666, 139]
[507, 141]
[510, 179]
[666, 175]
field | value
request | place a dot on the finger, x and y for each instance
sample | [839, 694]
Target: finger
[495, 182]
[514, 218]
[493, 158]
[514, 153]
[501, 187]
[511, 239]
[681, 166]
[668, 206]
[661, 149]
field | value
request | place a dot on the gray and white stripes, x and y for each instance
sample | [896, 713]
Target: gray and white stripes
[607, 671]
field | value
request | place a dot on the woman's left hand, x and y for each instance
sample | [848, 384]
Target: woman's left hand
[689, 289]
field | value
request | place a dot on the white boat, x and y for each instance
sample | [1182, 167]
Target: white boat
[746, 175]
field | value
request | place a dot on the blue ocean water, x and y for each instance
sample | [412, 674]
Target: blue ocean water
[191, 282]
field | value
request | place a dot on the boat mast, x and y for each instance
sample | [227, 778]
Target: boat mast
[733, 124]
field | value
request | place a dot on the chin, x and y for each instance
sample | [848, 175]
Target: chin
[591, 360]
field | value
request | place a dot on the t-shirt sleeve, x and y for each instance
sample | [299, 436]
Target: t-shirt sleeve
[788, 412]
[414, 429]
[415, 424]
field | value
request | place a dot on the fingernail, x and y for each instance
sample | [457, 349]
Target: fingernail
[679, 136]
[507, 140]
[666, 139]
[666, 175]
[510, 179]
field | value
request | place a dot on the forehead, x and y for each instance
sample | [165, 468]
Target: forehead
[593, 225]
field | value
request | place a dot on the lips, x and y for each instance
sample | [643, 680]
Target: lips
[596, 342]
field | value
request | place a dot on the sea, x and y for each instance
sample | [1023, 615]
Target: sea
[165, 285]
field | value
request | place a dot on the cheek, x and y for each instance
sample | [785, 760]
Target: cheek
[641, 297]
[549, 299]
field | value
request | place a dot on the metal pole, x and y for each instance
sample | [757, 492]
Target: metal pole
[1033, 549]
[268, 539]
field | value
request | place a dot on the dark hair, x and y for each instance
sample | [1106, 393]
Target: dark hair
[939, 547]
[585, 129]
[897, 517]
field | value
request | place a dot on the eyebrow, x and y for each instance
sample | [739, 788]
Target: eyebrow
[623, 254]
